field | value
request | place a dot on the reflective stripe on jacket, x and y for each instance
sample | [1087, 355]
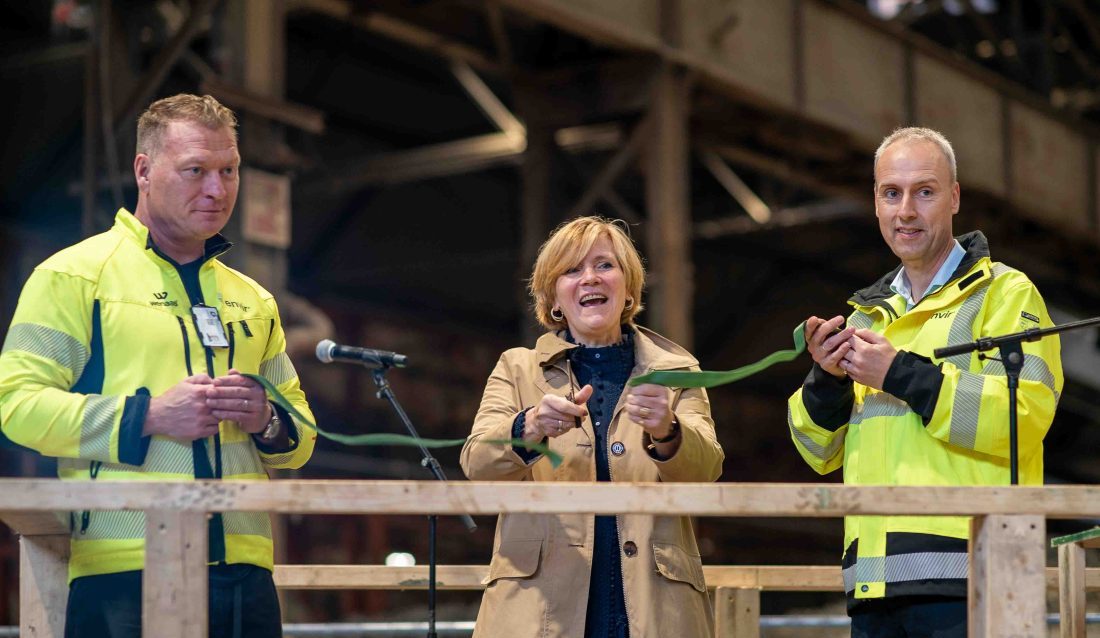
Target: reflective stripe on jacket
[100, 327]
[936, 423]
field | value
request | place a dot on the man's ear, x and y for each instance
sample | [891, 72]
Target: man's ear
[142, 165]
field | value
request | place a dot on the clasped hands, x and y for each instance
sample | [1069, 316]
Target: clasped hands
[648, 405]
[192, 408]
[863, 355]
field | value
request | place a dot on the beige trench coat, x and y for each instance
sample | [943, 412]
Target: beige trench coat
[539, 575]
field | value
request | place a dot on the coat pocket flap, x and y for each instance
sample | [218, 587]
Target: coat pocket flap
[676, 564]
[515, 559]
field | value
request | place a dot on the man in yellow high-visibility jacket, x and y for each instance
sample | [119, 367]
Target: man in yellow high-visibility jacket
[877, 404]
[124, 361]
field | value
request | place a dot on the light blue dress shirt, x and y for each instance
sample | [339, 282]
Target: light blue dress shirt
[901, 285]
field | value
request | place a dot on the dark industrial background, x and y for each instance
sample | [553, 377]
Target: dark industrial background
[431, 145]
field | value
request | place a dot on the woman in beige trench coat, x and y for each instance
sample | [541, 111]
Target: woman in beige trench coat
[574, 575]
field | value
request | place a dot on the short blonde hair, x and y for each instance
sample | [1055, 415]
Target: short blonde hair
[184, 107]
[566, 248]
[920, 134]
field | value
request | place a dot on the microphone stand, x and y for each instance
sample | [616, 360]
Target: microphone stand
[432, 464]
[1012, 357]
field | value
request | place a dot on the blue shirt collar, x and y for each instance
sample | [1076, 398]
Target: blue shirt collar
[901, 286]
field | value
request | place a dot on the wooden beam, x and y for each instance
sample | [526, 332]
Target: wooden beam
[812, 500]
[1071, 590]
[43, 585]
[35, 523]
[299, 116]
[791, 578]
[174, 593]
[737, 613]
[1007, 556]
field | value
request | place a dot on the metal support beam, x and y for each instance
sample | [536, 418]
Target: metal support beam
[536, 212]
[495, 17]
[88, 188]
[487, 101]
[435, 160]
[299, 116]
[163, 63]
[760, 212]
[797, 216]
[669, 209]
[784, 172]
[399, 30]
[605, 178]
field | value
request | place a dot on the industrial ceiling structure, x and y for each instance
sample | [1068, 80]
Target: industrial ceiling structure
[431, 145]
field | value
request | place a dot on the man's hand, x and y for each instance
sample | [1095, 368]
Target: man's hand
[868, 359]
[238, 398]
[827, 345]
[182, 412]
[554, 415]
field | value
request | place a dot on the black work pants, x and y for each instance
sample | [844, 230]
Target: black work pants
[242, 604]
[910, 617]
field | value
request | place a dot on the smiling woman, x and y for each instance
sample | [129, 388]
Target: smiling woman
[570, 393]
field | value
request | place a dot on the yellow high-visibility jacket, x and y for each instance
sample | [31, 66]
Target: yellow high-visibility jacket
[100, 328]
[937, 422]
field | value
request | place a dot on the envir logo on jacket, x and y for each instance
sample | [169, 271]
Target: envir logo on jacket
[161, 299]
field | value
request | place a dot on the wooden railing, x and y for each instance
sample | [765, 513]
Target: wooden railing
[1007, 585]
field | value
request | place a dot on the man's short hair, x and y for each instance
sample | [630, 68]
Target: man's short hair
[184, 107]
[917, 133]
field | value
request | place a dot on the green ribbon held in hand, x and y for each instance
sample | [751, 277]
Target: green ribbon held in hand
[386, 438]
[707, 379]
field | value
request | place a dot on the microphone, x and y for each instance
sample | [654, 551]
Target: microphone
[328, 352]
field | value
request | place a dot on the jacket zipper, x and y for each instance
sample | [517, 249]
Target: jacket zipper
[232, 344]
[186, 345]
[86, 515]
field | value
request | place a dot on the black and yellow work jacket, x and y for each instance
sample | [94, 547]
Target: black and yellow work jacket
[100, 328]
[936, 422]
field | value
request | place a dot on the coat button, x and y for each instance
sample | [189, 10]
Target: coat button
[630, 549]
[618, 449]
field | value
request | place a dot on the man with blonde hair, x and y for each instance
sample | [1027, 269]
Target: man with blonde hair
[124, 360]
[877, 404]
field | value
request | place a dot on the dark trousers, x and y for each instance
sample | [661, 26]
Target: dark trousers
[242, 604]
[910, 617]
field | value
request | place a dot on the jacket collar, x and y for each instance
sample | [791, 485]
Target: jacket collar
[976, 247]
[651, 351]
[132, 228]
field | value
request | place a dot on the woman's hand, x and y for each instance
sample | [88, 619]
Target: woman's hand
[554, 415]
[648, 406]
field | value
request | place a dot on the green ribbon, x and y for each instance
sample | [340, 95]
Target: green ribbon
[708, 379]
[386, 438]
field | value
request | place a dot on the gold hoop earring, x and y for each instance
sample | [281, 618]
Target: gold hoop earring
[629, 303]
[560, 316]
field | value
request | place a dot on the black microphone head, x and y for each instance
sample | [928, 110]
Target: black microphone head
[324, 350]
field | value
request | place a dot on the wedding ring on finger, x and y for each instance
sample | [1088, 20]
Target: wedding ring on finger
[246, 405]
[645, 411]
